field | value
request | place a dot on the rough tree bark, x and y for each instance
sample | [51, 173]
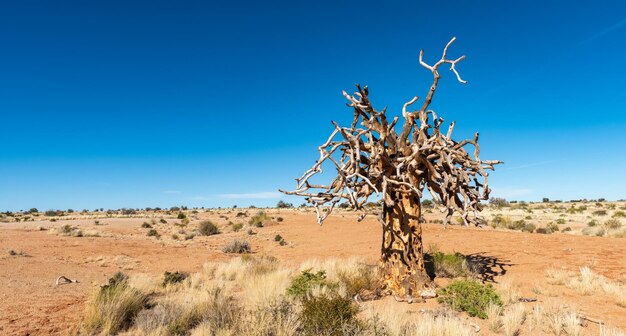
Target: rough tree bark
[370, 157]
[401, 264]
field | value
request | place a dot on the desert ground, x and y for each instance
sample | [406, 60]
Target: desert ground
[90, 247]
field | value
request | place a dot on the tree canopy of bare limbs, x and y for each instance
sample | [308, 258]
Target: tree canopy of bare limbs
[378, 156]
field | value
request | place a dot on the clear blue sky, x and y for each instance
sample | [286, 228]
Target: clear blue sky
[134, 104]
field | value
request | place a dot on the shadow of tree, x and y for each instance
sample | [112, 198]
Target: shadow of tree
[485, 267]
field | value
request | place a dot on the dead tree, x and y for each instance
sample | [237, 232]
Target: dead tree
[378, 156]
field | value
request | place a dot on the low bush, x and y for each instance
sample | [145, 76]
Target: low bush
[560, 221]
[592, 223]
[145, 225]
[470, 296]
[280, 219]
[552, 227]
[237, 227]
[181, 215]
[529, 227]
[162, 221]
[329, 315]
[599, 212]
[278, 238]
[153, 233]
[207, 228]
[173, 278]
[237, 246]
[613, 224]
[258, 219]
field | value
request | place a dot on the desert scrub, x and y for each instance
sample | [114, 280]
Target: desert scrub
[173, 278]
[145, 225]
[258, 219]
[330, 315]
[237, 246]
[113, 307]
[469, 296]
[162, 221]
[237, 227]
[153, 233]
[529, 227]
[613, 224]
[207, 228]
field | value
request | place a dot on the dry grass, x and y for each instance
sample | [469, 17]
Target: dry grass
[508, 292]
[493, 316]
[512, 319]
[587, 282]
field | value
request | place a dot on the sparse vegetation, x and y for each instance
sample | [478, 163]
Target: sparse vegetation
[258, 219]
[170, 278]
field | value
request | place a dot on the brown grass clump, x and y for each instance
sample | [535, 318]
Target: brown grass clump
[111, 308]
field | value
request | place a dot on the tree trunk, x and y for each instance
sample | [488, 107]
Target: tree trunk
[402, 261]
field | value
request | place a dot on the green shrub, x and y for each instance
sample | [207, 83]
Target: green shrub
[181, 215]
[470, 296]
[592, 223]
[560, 221]
[302, 285]
[153, 233]
[237, 227]
[278, 238]
[173, 278]
[328, 315]
[207, 228]
[162, 221]
[145, 225]
[599, 213]
[446, 265]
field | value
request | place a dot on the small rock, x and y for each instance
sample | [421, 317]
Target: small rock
[428, 294]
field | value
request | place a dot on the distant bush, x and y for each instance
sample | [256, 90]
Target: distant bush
[530, 227]
[181, 216]
[552, 227]
[237, 227]
[470, 296]
[162, 221]
[153, 233]
[499, 202]
[173, 278]
[280, 219]
[560, 221]
[258, 219]
[543, 231]
[618, 214]
[284, 205]
[207, 228]
[600, 212]
[592, 223]
[613, 223]
[145, 225]
[237, 246]
[428, 204]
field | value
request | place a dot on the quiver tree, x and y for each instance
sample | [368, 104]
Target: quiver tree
[376, 156]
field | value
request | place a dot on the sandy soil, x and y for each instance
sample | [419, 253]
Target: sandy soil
[31, 304]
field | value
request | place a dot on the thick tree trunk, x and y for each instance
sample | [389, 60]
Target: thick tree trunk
[402, 261]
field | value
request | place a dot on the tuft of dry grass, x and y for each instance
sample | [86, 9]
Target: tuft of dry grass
[512, 319]
[507, 291]
[112, 308]
[493, 316]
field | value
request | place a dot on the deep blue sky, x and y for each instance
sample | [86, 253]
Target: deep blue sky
[134, 104]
